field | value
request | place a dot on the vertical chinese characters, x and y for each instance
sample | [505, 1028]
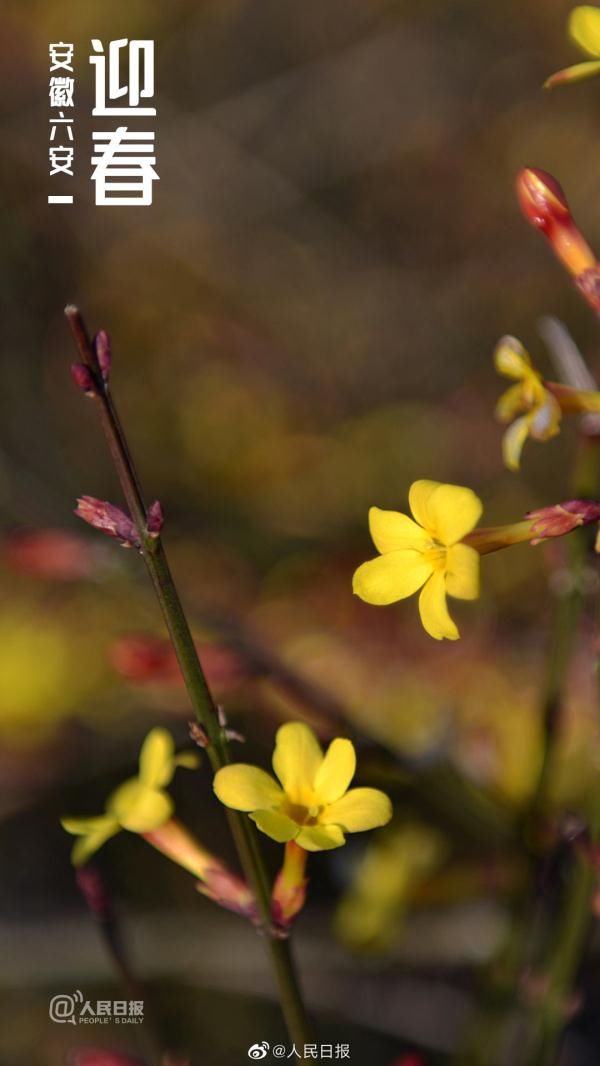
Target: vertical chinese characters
[123, 160]
[61, 88]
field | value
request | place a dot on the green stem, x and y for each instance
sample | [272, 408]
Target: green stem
[204, 706]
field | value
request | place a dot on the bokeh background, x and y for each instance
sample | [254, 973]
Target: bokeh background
[302, 324]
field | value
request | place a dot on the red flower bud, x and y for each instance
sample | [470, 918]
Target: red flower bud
[109, 519]
[103, 353]
[561, 518]
[83, 378]
[155, 519]
[545, 206]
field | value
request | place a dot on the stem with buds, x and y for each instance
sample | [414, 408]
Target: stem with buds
[92, 374]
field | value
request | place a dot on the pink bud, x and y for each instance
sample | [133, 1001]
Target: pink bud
[83, 378]
[103, 353]
[561, 518]
[155, 518]
[109, 519]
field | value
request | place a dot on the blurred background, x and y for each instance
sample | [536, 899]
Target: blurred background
[302, 324]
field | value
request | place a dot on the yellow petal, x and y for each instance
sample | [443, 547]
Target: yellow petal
[584, 28]
[336, 771]
[392, 531]
[359, 809]
[391, 577]
[97, 832]
[81, 826]
[511, 359]
[296, 760]
[462, 572]
[277, 826]
[187, 759]
[418, 499]
[320, 837]
[139, 808]
[246, 788]
[511, 403]
[578, 72]
[156, 758]
[433, 610]
[454, 511]
[513, 441]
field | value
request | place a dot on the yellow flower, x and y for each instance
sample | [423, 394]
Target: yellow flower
[312, 804]
[139, 804]
[584, 31]
[424, 554]
[538, 410]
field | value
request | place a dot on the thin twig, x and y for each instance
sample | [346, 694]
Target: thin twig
[204, 706]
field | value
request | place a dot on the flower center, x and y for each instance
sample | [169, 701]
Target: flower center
[436, 556]
[300, 814]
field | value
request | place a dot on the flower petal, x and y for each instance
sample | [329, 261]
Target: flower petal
[418, 499]
[296, 760]
[392, 531]
[83, 826]
[546, 418]
[359, 809]
[512, 403]
[432, 608]
[96, 832]
[453, 511]
[513, 441]
[584, 28]
[277, 826]
[246, 788]
[336, 771]
[139, 808]
[578, 72]
[320, 837]
[187, 759]
[156, 758]
[511, 359]
[462, 572]
[391, 577]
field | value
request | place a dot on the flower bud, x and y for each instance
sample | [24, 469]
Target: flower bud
[545, 206]
[103, 353]
[562, 518]
[109, 519]
[83, 378]
[155, 518]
